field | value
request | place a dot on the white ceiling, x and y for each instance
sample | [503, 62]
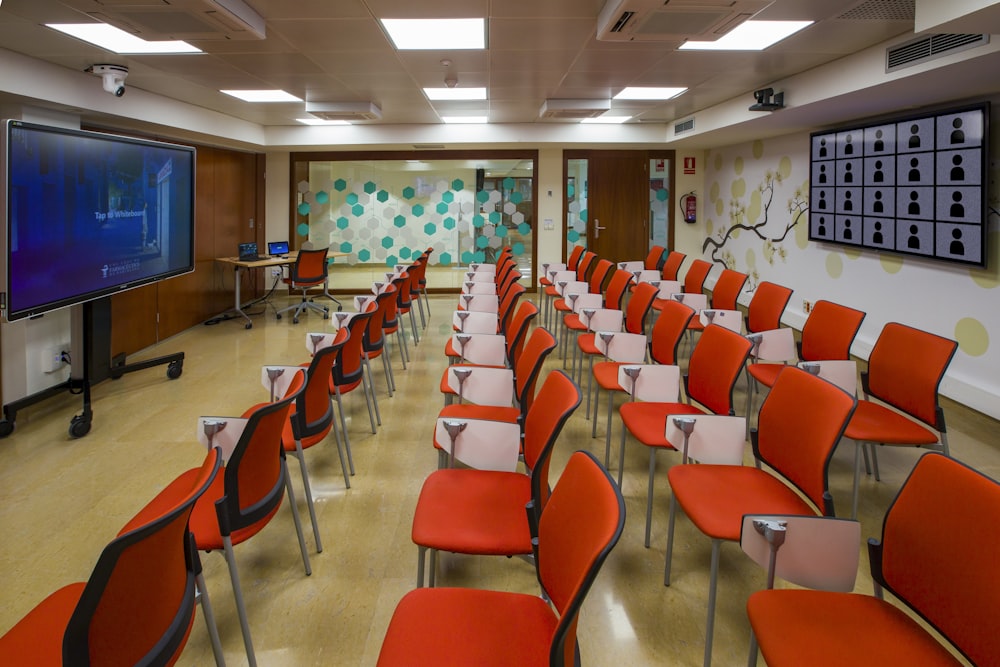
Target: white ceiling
[336, 51]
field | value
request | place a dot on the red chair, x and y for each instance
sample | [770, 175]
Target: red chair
[418, 287]
[138, 606]
[905, 369]
[654, 258]
[553, 292]
[801, 421]
[349, 373]
[564, 305]
[767, 306]
[672, 265]
[308, 271]
[618, 285]
[374, 339]
[579, 526]
[937, 556]
[694, 280]
[482, 512]
[404, 303]
[724, 294]
[390, 323]
[544, 283]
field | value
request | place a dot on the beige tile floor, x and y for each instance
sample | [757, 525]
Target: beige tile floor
[62, 500]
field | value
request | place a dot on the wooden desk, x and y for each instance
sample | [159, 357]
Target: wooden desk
[267, 262]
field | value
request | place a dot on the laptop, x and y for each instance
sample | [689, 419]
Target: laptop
[277, 248]
[248, 253]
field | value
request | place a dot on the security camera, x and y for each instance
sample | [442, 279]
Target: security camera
[113, 77]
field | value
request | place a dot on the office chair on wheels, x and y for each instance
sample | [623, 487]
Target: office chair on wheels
[309, 270]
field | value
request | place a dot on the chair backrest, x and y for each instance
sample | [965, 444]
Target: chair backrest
[583, 266]
[349, 366]
[508, 282]
[829, 331]
[255, 473]
[138, 605]
[727, 289]
[312, 412]
[599, 275]
[938, 553]
[517, 331]
[574, 257]
[418, 269]
[404, 298]
[905, 369]
[310, 267]
[653, 259]
[508, 306]
[694, 279]
[538, 346]
[668, 331]
[715, 365]
[578, 528]
[374, 333]
[391, 318]
[638, 307]
[799, 425]
[672, 265]
[617, 286]
[766, 307]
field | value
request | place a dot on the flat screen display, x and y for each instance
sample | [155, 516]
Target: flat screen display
[915, 185]
[89, 214]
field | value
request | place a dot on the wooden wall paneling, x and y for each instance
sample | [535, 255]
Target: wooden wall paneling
[133, 320]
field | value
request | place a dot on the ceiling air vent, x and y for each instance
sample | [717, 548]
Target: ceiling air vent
[349, 111]
[930, 47]
[684, 126]
[573, 109]
[177, 19]
[673, 20]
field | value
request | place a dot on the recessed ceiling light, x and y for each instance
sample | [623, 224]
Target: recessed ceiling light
[750, 36]
[320, 121]
[606, 120]
[455, 93]
[648, 93]
[112, 39]
[262, 95]
[464, 119]
[436, 34]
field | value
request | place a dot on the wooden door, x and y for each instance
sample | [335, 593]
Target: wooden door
[618, 192]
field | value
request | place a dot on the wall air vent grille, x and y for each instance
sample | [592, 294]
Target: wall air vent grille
[684, 126]
[930, 47]
[881, 10]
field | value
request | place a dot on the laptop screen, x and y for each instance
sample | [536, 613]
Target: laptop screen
[277, 248]
[248, 251]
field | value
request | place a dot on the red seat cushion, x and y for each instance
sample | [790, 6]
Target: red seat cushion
[765, 374]
[473, 512]
[715, 497]
[464, 626]
[647, 422]
[877, 423]
[37, 638]
[820, 629]
[606, 374]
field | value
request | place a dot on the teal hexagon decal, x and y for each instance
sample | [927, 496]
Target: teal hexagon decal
[418, 210]
[479, 256]
[524, 229]
[518, 248]
[340, 185]
[508, 183]
[351, 198]
[382, 196]
[467, 257]
[399, 221]
[448, 196]
[345, 247]
[661, 195]
[449, 223]
[387, 242]
[573, 236]
[302, 229]
[430, 228]
[482, 242]
[408, 192]
[457, 185]
[364, 255]
[478, 221]
[370, 187]
[322, 197]
[391, 260]
[444, 259]
[405, 253]
[304, 208]
[342, 222]
[482, 196]
[570, 190]
[358, 210]
[501, 231]
[516, 198]
[441, 208]
[584, 215]
[496, 217]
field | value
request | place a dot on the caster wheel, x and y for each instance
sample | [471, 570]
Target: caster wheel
[326, 316]
[6, 428]
[79, 426]
[248, 325]
[295, 320]
[174, 370]
[278, 316]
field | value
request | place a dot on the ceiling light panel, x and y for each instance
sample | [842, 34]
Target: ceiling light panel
[436, 34]
[455, 93]
[112, 39]
[750, 36]
[262, 95]
[649, 93]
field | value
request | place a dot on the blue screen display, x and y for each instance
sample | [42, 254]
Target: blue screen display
[90, 214]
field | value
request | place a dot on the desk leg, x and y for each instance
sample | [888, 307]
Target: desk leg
[236, 304]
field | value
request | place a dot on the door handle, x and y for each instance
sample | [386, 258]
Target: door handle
[598, 228]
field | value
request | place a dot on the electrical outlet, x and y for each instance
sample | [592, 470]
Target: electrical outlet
[275, 272]
[807, 307]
